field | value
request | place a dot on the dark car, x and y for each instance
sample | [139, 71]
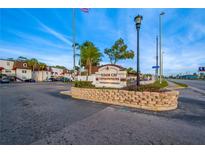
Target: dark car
[29, 80]
[52, 79]
[5, 80]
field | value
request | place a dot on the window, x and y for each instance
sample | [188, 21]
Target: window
[23, 71]
[24, 64]
[8, 64]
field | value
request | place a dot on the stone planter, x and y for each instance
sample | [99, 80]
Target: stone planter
[155, 101]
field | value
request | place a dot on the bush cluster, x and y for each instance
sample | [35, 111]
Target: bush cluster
[155, 87]
[83, 84]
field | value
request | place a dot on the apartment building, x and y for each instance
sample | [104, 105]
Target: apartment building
[6, 67]
[41, 75]
[22, 70]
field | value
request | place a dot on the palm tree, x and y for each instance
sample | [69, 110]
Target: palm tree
[90, 56]
[32, 63]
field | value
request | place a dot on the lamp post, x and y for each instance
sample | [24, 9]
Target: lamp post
[160, 44]
[138, 20]
[74, 44]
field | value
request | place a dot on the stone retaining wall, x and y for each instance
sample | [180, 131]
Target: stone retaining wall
[156, 101]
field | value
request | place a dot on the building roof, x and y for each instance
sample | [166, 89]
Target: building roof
[21, 65]
[120, 67]
[1, 68]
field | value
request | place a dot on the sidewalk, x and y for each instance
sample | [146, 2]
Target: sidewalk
[173, 86]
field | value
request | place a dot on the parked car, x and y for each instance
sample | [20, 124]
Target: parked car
[29, 80]
[64, 79]
[4, 80]
[52, 79]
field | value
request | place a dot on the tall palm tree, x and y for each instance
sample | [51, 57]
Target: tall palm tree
[32, 63]
[90, 56]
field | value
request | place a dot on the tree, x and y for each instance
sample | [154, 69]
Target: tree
[131, 70]
[32, 63]
[90, 55]
[58, 66]
[119, 52]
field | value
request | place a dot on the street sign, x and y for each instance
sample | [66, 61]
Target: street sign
[155, 66]
[201, 69]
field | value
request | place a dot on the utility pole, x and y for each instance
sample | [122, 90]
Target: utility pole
[156, 71]
[162, 62]
[160, 44]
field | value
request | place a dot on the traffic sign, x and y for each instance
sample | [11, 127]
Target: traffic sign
[155, 66]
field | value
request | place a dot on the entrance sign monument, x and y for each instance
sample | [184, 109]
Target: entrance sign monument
[110, 75]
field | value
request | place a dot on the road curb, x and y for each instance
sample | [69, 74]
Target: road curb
[65, 93]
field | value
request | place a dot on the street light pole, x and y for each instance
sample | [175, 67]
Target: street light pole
[73, 26]
[160, 44]
[138, 20]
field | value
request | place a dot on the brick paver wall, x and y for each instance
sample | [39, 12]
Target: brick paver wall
[156, 101]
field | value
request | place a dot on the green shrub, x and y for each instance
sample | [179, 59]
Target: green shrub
[83, 84]
[154, 87]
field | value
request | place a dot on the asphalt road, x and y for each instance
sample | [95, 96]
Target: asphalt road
[200, 84]
[38, 114]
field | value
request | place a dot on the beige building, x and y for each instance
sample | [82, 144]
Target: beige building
[6, 67]
[22, 70]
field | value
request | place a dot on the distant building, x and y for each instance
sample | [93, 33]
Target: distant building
[41, 75]
[6, 67]
[22, 70]
[189, 77]
[56, 72]
[59, 72]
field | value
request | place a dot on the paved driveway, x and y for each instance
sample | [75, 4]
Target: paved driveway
[38, 114]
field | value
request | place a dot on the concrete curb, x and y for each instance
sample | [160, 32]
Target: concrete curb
[65, 93]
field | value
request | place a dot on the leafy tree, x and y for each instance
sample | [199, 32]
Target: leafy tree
[90, 55]
[58, 66]
[119, 52]
[131, 70]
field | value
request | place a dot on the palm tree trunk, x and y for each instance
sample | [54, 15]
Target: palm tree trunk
[90, 68]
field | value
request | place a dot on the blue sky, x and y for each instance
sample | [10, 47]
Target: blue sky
[46, 34]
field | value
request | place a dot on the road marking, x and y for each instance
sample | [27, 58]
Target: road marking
[198, 90]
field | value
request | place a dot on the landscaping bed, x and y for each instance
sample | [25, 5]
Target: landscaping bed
[149, 97]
